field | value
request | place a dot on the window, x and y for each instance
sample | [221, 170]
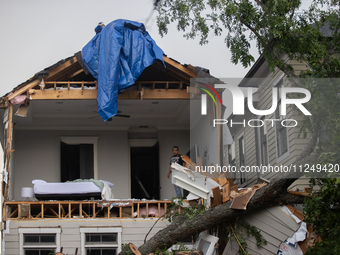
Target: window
[206, 243]
[281, 131]
[100, 241]
[78, 158]
[242, 162]
[39, 241]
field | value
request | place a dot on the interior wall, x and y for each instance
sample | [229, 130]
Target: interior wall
[204, 135]
[37, 156]
[168, 139]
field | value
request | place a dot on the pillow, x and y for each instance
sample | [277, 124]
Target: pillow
[36, 181]
[108, 183]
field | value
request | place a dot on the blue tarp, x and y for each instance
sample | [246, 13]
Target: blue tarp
[116, 57]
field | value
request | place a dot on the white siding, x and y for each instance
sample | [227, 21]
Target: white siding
[132, 231]
[274, 225]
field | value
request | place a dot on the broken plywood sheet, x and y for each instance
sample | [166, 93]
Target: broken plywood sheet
[22, 111]
[217, 196]
[226, 192]
[240, 202]
[241, 197]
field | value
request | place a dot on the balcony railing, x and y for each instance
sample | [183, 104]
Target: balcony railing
[33, 210]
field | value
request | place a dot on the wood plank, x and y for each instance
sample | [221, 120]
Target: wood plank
[223, 179]
[217, 196]
[76, 73]
[226, 193]
[24, 89]
[97, 212]
[63, 211]
[71, 82]
[83, 212]
[179, 67]
[91, 94]
[8, 150]
[65, 94]
[16, 210]
[54, 212]
[51, 76]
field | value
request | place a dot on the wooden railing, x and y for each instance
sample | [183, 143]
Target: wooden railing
[33, 210]
[80, 84]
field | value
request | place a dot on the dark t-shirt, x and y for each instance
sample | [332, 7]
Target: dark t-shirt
[177, 159]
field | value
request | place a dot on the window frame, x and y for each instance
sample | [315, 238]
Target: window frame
[242, 175]
[47, 231]
[263, 142]
[232, 161]
[279, 83]
[100, 230]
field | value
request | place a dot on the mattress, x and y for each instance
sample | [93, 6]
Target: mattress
[67, 190]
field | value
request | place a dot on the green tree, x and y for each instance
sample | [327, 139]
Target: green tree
[278, 27]
[280, 30]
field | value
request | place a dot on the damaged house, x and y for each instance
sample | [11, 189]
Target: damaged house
[54, 134]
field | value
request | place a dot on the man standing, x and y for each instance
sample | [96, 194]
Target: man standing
[176, 158]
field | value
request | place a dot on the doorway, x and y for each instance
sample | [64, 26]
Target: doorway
[145, 172]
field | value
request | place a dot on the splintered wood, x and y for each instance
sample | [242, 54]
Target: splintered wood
[189, 164]
[240, 197]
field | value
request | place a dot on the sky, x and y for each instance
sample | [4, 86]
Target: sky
[38, 33]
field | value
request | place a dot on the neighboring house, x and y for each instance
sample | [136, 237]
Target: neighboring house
[270, 144]
[63, 138]
[263, 140]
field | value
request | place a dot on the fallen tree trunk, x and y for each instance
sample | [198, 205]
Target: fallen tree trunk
[272, 194]
[183, 226]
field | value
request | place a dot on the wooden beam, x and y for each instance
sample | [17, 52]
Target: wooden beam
[178, 66]
[8, 150]
[60, 68]
[64, 94]
[129, 94]
[24, 89]
[75, 73]
[3, 104]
